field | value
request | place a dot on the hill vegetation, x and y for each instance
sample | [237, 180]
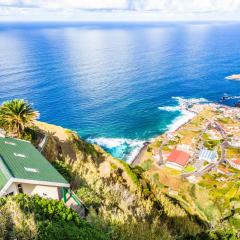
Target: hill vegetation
[123, 201]
[26, 218]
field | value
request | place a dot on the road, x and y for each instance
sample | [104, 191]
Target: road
[210, 166]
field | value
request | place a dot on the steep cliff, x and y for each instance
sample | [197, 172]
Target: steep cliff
[122, 202]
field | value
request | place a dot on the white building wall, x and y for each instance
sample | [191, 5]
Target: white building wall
[30, 189]
[174, 165]
[12, 189]
[42, 191]
[234, 165]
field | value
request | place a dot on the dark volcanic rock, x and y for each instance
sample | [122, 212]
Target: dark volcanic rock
[237, 104]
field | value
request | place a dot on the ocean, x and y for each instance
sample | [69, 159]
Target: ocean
[117, 85]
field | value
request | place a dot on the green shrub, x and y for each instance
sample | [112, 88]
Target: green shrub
[64, 169]
[149, 149]
[146, 165]
[54, 220]
[130, 172]
[68, 231]
[89, 197]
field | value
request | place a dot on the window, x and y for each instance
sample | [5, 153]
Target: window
[34, 170]
[19, 155]
[10, 143]
[20, 189]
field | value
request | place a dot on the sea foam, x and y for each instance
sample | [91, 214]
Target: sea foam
[123, 148]
[127, 149]
[185, 115]
[170, 108]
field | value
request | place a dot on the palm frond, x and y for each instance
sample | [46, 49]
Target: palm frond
[16, 115]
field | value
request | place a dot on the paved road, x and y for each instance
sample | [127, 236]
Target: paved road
[210, 166]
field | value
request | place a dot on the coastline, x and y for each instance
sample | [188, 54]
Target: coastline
[137, 159]
[189, 110]
[181, 119]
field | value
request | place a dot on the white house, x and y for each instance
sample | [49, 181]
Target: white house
[177, 159]
[235, 163]
[24, 170]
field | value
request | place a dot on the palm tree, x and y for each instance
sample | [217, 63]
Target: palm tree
[16, 115]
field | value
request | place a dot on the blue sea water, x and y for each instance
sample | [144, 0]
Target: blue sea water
[107, 81]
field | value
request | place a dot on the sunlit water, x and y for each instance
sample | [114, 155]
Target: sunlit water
[107, 82]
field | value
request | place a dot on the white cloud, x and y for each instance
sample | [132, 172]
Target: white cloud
[119, 9]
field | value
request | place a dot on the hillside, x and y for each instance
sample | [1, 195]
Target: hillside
[204, 187]
[26, 218]
[123, 202]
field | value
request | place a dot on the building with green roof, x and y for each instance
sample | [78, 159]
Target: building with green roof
[24, 170]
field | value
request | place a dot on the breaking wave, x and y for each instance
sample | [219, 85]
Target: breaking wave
[190, 101]
[185, 115]
[170, 108]
[126, 149]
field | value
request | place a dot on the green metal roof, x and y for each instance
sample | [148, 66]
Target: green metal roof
[20, 159]
[3, 180]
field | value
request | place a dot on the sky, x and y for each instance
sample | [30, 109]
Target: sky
[119, 10]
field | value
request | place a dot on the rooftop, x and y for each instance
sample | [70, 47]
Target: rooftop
[20, 160]
[236, 161]
[179, 157]
[209, 155]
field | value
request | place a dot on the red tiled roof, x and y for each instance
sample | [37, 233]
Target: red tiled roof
[178, 157]
[237, 161]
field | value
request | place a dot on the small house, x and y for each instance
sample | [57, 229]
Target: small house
[24, 170]
[177, 159]
[235, 163]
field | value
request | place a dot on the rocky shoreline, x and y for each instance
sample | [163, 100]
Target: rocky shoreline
[185, 106]
[137, 159]
[235, 77]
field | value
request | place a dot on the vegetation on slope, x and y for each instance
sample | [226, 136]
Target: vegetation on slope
[123, 202]
[28, 218]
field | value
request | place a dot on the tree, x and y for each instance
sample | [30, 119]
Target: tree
[16, 115]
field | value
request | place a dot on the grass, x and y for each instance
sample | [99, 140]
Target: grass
[158, 143]
[205, 163]
[189, 168]
[211, 144]
[233, 153]
[130, 172]
[225, 120]
[166, 148]
[172, 171]
[146, 165]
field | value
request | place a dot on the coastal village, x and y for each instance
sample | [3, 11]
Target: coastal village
[207, 145]
[197, 165]
[209, 142]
